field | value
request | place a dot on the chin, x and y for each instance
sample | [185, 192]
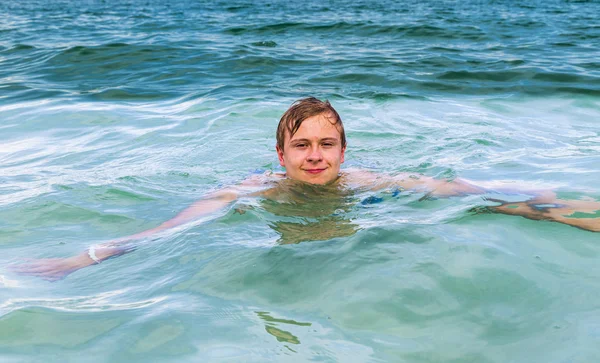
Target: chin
[317, 182]
[322, 179]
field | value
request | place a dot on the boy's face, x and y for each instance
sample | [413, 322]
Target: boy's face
[314, 154]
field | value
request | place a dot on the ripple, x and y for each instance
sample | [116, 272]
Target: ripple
[116, 116]
[18, 48]
[129, 95]
[92, 303]
[266, 44]
[363, 29]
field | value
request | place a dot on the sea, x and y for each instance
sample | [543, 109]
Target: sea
[117, 115]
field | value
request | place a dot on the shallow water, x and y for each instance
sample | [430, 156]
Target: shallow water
[114, 117]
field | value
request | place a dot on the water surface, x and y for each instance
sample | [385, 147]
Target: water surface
[115, 116]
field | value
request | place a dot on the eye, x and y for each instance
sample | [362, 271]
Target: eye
[328, 144]
[301, 145]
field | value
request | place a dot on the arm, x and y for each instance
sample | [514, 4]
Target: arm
[544, 205]
[57, 268]
[584, 214]
[419, 183]
[436, 187]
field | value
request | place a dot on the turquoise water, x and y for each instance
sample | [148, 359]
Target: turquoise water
[114, 117]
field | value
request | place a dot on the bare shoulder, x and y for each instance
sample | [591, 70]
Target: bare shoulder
[261, 184]
[374, 180]
[360, 176]
[257, 180]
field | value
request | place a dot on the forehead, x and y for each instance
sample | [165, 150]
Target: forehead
[316, 127]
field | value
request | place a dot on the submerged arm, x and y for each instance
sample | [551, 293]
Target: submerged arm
[584, 214]
[419, 183]
[437, 187]
[203, 207]
[544, 205]
[57, 268]
[211, 203]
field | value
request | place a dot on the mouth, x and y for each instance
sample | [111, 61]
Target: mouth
[314, 171]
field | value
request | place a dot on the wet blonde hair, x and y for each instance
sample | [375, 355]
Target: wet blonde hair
[303, 109]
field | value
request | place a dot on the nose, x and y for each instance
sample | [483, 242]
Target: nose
[314, 155]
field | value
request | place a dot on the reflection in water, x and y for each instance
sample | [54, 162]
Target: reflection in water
[279, 334]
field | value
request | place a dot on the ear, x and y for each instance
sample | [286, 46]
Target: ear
[342, 158]
[280, 156]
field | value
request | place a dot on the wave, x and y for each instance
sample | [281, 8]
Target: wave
[519, 75]
[129, 95]
[18, 48]
[379, 55]
[365, 29]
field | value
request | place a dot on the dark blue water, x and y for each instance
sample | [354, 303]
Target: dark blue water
[151, 50]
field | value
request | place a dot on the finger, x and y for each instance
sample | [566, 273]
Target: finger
[52, 276]
[28, 259]
[34, 272]
[22, 268]
[35, 262]
[31, 268]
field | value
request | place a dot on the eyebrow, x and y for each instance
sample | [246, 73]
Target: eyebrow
[330, 139]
